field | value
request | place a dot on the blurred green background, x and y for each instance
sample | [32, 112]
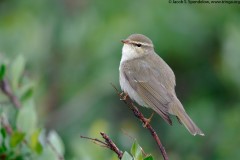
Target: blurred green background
[73, 50]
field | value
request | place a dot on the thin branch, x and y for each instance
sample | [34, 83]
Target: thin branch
[128, 135]
[59, 156]
[6, 89]
[112, 145]
[108, 143]
[4, 122]
[96, 140]
[126, 99]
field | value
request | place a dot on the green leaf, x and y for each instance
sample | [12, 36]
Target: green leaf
[47, 154]
[3, 138]
[16, 138]
[3, 133]
[26, 92]
[34, 142]
[56, 141]
[126, 156]
[2, 71]
[136, 151]
[149, 158]
[16, 70]
[27, 118]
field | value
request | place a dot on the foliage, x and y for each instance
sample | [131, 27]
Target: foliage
[136, 153]
[21, 136]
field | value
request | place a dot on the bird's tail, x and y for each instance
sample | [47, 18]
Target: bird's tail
[177, 109]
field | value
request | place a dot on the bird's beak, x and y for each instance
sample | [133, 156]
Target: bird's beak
[125, 41]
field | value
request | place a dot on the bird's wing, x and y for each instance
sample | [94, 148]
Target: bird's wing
[145, 81]
[164, 72]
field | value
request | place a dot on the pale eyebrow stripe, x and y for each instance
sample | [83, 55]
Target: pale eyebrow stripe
[144, 44]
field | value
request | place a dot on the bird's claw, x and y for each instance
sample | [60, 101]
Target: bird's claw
[148, 120]
[123, 96]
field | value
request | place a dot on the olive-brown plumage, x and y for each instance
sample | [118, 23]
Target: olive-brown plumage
[150, 82]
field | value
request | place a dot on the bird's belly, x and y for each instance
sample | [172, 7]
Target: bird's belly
[125, 86]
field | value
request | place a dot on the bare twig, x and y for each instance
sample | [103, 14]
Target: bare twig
[96, 140]
[108, 144]
[128, 135]
[59, 156]
[112, 145]
[126, 99]
[4, 122]
[6, 89]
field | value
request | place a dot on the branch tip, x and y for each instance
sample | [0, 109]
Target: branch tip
[108, 143]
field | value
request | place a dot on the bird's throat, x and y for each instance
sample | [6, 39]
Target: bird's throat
[128, 53]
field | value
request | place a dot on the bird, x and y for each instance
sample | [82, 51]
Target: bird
[149, 81]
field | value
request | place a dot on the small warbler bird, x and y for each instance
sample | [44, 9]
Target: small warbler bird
[148, 80]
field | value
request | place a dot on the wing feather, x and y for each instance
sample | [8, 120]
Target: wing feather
[146, 82]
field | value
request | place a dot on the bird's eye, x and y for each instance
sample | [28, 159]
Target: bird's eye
[138, 45]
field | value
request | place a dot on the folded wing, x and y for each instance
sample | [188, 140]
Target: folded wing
[146, 81]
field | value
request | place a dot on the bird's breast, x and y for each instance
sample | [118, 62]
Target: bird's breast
[127, 88]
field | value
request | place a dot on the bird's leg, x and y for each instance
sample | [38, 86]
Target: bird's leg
[123, 96]
[148, 120]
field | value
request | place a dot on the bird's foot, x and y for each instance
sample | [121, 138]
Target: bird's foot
[148, 120]
[123, 96]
